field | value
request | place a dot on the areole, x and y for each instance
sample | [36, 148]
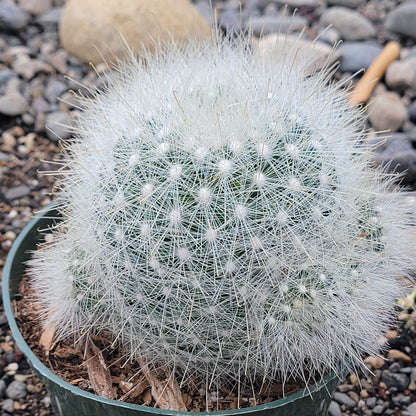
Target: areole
[68, 400]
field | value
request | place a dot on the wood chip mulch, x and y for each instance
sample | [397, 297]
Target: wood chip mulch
[97, 368]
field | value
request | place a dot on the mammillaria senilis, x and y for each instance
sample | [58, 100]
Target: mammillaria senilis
[222, 221]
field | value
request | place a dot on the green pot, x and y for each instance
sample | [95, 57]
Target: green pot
[68, 400]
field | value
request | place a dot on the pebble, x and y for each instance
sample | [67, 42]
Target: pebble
[298, 3]
[8, 406]
[410, 411]
[70, 100]
[401, 19]
[13, 104]
[343, 398]
[54, 88]
[50, 18]
[344, 388]
[357, 55]
[84, 37]
[396, 381]
[378, 410]
[334, 409]
[401, 399]
[401, 74]
[58, 125]
[16, 390]
[36, 6]
[371, 402]
[12, 18]
[5, 75]
[397, 154]
[374, 362]
[396, 355]
[3, 387]
[59, 61]
[353, 4]
[318, 53]
[231, 22]
[16, 192]
[411, 110]
[265, 25]
[349, 23]
[28, 68]
[386, 112]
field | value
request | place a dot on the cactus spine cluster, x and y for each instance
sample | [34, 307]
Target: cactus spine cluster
[221, 221]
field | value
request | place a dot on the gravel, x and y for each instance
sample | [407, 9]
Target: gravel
[37, 75]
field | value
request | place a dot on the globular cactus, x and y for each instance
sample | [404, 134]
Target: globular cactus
[222, 222]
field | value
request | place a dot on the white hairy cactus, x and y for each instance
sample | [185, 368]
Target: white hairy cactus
[221, 221]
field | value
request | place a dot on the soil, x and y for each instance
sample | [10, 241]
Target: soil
[112, 377]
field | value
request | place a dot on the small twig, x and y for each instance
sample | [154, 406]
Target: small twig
[375, 72]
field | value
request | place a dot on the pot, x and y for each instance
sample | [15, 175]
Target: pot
[69, 400]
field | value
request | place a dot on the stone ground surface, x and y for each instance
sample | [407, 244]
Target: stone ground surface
[37, 75]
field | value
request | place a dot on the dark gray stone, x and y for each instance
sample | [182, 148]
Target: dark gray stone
[8, 406]
[16, 192]
[54, 88]
[2, 388]
[5, 75]
[12, 17]
[40, 105]
[334, 409]
[378, 410]
[371, 402]
[411, 110]
[343, 398]
[51, 17]
[357, 55]
[395, 367]
[264, 25]
[230, 22]
[297, 3]
[398, 154]
[16, 390]
[402, 19]
[8, 357]
[398, 382]
[401, 399]
[352, 4]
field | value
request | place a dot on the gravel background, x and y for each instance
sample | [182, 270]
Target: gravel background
[37, 75]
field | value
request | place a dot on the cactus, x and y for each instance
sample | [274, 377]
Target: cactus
[222, 221]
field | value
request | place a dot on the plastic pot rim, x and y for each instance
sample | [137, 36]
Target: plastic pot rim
[47, 373]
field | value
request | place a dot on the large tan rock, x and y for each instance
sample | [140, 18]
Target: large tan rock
[93, 30]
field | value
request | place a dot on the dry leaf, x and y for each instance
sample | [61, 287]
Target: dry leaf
[167, 395]
[99, 375]
[136, 390]
[62, 351]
